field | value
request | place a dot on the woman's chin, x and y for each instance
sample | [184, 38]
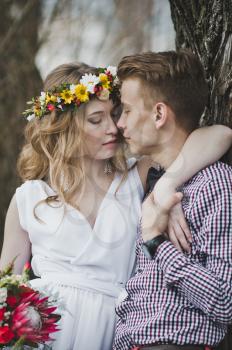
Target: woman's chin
[105, 155]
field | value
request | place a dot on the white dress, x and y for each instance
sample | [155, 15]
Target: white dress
[87, 267]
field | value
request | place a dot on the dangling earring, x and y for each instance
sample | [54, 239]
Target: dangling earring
[108, 169]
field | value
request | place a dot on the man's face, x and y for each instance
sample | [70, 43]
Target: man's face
[136, 120]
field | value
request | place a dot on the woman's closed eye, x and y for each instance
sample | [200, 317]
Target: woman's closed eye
[94, 120]
[96, 117]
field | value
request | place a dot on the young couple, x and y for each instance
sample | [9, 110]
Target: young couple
[79, 208]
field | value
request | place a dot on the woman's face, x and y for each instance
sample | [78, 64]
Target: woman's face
[100, 131]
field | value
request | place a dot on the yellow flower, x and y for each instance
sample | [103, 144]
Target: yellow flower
[82, 93]
[36, 110]
[51, 98]
[104, 80]
[67, 96]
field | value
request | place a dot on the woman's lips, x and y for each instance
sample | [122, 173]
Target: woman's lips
[111, 142]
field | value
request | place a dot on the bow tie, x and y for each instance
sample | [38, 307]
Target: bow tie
[153, 176]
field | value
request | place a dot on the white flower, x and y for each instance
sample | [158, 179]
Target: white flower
[58, 99]
[3, 295]
[112, 70]
[42, 98]
[116, 81]
[31, 117]
[72, 88]
[7, 315]
[104, 95]
[90, 81]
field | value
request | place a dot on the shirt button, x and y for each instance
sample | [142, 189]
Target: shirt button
[139, 270]
[123, 319]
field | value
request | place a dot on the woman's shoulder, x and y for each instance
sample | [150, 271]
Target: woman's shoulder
[34, 187]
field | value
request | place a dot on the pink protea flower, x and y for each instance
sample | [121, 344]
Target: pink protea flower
[33, 318]
[6, 335]
[2, 311]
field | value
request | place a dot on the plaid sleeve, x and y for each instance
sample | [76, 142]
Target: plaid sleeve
[208, 285]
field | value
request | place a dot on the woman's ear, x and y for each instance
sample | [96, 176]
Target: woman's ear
[160, 114]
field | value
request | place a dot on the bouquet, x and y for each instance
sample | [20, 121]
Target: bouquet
[27, 317]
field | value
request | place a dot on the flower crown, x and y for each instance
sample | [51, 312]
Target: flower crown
[71, 96]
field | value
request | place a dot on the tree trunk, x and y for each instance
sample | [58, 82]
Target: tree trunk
[20, 80]
[205, 26]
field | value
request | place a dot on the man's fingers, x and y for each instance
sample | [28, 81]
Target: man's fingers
[173, 238]
[180, 235]
[186, 230]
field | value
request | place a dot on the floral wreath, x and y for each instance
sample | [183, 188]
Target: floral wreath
[71, 96]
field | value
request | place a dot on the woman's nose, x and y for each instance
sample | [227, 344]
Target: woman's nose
[111, 127]
[120, 123]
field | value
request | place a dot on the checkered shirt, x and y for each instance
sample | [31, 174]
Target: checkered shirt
[185, 298]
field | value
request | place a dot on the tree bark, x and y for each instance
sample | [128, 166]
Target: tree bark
[20, 80]
[205, 26]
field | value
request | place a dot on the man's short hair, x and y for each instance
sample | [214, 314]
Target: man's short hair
[176, 78]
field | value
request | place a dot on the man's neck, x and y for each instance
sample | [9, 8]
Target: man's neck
[167, 152]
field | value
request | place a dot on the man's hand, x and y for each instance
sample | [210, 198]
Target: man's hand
[155, 217]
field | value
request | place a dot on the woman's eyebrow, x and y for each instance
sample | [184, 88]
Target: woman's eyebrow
[95, 113]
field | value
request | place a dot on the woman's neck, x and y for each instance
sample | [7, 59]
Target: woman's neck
[94, 167]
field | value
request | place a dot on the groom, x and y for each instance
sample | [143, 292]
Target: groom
[175, 300]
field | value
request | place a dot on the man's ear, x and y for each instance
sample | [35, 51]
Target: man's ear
[160, 114]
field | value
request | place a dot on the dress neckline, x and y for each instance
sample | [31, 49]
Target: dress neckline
[109, 190]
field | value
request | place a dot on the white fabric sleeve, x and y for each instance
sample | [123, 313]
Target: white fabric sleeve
[20, 195]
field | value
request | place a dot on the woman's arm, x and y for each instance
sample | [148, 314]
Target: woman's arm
[16, 241]
[203, 147]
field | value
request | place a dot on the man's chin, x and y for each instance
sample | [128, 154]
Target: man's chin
[134, 149]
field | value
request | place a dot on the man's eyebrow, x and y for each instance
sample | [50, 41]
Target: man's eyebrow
[125, 104]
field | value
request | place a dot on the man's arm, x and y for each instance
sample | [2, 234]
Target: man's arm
[208, 287]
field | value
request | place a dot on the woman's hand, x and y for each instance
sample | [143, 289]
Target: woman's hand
[178, 230]
[155, 216]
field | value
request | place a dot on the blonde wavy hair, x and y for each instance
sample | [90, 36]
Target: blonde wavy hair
[54, 144]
